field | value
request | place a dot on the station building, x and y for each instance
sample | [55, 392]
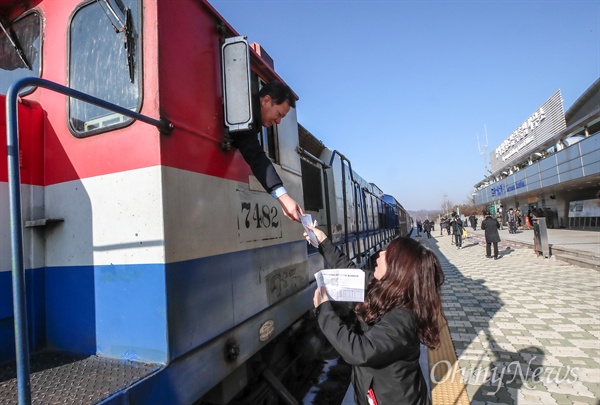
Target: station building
[550, 165]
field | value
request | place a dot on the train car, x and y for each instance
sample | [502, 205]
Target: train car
[398, 215]
[154, 268]
[350, 210]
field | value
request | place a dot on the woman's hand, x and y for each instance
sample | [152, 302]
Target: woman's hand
[320, 296]
[320, 235]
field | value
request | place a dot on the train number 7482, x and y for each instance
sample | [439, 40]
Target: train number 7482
[257, 216]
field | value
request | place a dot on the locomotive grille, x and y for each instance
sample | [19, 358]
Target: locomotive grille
[308, 142]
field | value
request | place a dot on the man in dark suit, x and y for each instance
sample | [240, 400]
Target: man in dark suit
[492, 237]
[270, 106]
[457, 230]
[511, 218]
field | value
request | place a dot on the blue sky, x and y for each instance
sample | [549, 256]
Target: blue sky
[403, 88]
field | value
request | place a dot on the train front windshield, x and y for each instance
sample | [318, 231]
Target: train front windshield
[104, 47]
[20, 50]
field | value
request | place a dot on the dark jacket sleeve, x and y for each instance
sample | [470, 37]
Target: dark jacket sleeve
[335, 257]
[392, 338]
[260, 164]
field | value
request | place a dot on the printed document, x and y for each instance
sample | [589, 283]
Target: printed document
[343, 284]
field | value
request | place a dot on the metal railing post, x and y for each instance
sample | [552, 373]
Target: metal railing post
[14, 188]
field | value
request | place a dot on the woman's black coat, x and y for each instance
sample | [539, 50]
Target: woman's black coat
[384, 356]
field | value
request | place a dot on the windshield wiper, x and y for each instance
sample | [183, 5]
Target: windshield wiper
[126, 28]
[15, 44]
[130, 44]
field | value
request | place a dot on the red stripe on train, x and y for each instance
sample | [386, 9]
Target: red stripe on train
[31, 136]
[47, 158]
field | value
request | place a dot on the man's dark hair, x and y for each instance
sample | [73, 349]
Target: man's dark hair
[279, 92]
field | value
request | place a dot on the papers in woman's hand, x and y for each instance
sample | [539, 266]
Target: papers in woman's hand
[342, 284]
[307, 220]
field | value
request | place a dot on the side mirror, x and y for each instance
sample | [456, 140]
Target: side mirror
[237, 92]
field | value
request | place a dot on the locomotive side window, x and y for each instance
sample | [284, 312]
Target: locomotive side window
[312, 185]
[269, 142]
[20, 50]
[104, 61]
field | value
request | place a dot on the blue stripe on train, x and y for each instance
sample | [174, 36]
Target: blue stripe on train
[35, 313]
[144, 312]
[117, 311]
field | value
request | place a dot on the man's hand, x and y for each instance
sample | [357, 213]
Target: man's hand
[290, 207]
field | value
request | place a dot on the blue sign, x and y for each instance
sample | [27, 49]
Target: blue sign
[512, 187]
[498, 190]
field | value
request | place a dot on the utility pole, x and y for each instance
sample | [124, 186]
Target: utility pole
[446, 203]
[482, 151]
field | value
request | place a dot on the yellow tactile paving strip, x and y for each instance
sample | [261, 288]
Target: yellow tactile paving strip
[450, 388]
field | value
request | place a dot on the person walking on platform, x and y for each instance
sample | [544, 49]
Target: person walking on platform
[473, 221]
[427, 225]
[442, 226]
[519, 218]
[492, 237]
[500, 220]
[511, 218]
[381, 337]
[457, 230]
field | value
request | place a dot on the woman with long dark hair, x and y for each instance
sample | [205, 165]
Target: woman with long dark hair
[402, 309]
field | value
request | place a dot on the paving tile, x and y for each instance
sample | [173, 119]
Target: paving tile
[535, 397]
[531, 324]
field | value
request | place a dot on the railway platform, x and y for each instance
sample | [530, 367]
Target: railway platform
[523, 329]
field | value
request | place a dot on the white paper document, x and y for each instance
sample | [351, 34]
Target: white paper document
[307, 220]
[343, 284]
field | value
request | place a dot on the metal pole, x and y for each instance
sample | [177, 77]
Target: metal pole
[18, 272]
[14, 189]
[163, 125]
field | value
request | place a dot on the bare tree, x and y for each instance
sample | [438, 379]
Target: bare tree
[469, 207]
[447, 207]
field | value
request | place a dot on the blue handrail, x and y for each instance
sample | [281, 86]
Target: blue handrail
[14, 188]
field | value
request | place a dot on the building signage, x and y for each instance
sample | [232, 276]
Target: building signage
[517, 185]
[542, 125]
[497, 190]
[522, 136]
[584, 208]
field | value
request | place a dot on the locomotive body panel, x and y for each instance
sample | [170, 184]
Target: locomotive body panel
[162, 248]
